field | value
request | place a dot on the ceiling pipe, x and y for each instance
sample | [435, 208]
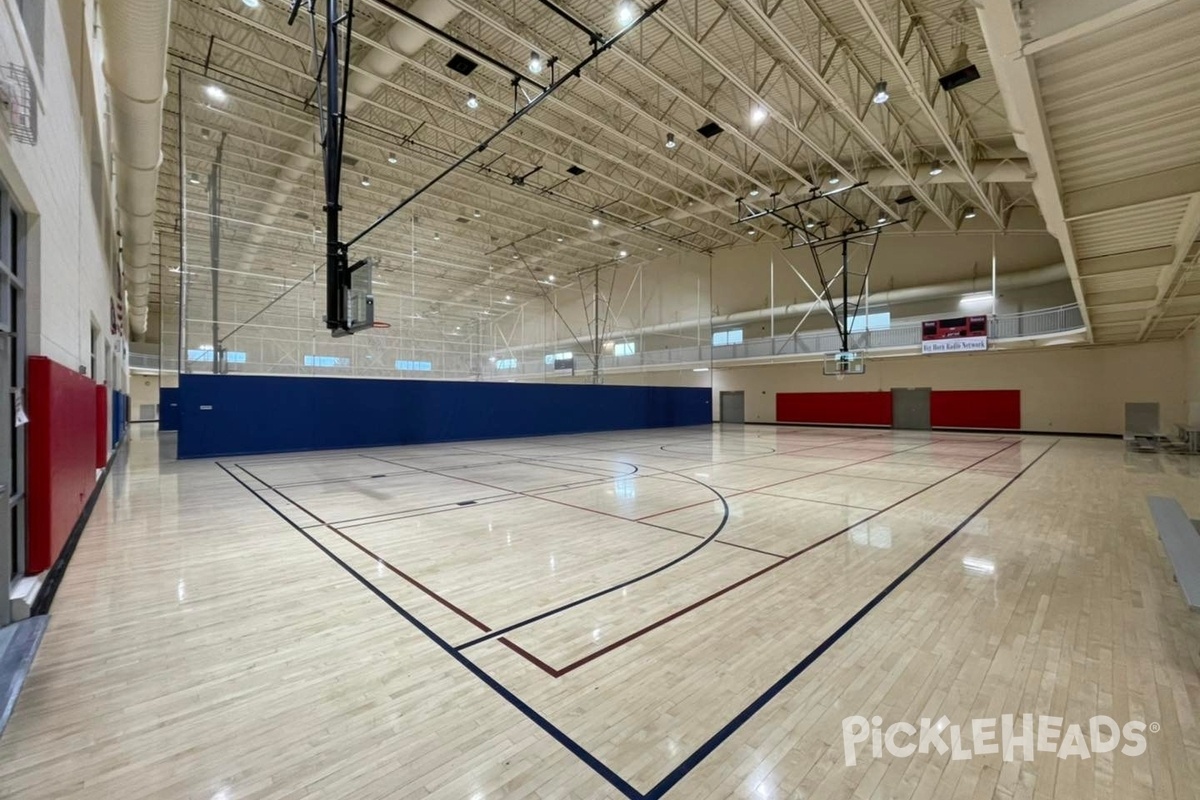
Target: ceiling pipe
[1039, 276]
[1008, 170]
[135, 67]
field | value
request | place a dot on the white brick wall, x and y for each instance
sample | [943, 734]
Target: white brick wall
[69, 283]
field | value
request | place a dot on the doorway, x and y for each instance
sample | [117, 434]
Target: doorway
[910, 409]
[733, 407]
[12, 397]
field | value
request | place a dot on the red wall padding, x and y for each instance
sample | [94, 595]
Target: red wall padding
[998, 408]
[835, 408]
[101, 426]
[62, 442]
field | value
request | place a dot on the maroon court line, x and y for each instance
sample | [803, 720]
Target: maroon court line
[769, 485]
[537, 662]
[638, 521]
[558, 672]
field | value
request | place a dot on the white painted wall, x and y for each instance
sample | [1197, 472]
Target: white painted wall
[71, 241]
[1079, 390]
[1191, 368]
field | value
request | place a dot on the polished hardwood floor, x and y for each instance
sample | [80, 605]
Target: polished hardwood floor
[687, 613]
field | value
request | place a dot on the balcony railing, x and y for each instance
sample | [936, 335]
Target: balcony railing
[900, 336]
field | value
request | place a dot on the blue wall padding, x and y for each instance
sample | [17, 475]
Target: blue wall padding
[118, 418]
[168, 409]
[223, 415]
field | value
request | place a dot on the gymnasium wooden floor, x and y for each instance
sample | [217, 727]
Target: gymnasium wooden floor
[685, 613]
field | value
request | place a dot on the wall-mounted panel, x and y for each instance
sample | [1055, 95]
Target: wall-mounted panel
[991, 409]
[224, 415]
[835, 408]
[64, 436]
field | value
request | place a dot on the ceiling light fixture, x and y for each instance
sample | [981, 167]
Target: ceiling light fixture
[969, 213]
[882, 219]
[835, 180]
[622, 254]
[758, 115]
[810, 224]
[660, 248]
[671, 143]
[550, 278]
[626, 13]
[754, 192]
[935, 168]
[250, 3]
[437, 237]
[535, 62]
[215, 92]
[472, 101]
[752, 231]
[595, 222]
[476, 214]
[193, 179]
[392, 158]
[881, 95]
[559, 239]
[508, 298]
[365, 180]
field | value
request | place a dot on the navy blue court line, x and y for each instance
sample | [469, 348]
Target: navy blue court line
[552, 611]
[600, 593]
[718, 738]
[715, 741]
[599, 767]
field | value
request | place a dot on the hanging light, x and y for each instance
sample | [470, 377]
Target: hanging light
[508, 298]
[515, 256]
[437, 237]
[550, 278]
[626, 13]
[935, 168]
[882, 219]
[622, 254]
[559, 239]
[476, 214]
[758, 115]
[751, 232]
[392, 158]
[365, 180]
[250, 3]
[810, 224]
[835, 180]
[881, 93]
[215, 92]
[595, 222]
[660, 248]
[535, 62]
[754, 192]
[969, 213]
[671, 143]
[472, 101]
[193, 179]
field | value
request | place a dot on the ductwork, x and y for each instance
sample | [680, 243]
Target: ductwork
[1039, 276]
[135, 66]
[379, 65]
[1009, 170]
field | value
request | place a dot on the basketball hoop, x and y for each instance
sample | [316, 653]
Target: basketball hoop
[381, 325]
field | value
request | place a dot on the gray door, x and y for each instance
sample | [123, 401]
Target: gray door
[733, 406]
[910, 409]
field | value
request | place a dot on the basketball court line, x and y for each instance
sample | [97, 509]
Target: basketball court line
[560, 671]
[720, 736]
[451, 606]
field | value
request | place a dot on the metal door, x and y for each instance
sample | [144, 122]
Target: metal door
[910, 409]
[733, 407]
